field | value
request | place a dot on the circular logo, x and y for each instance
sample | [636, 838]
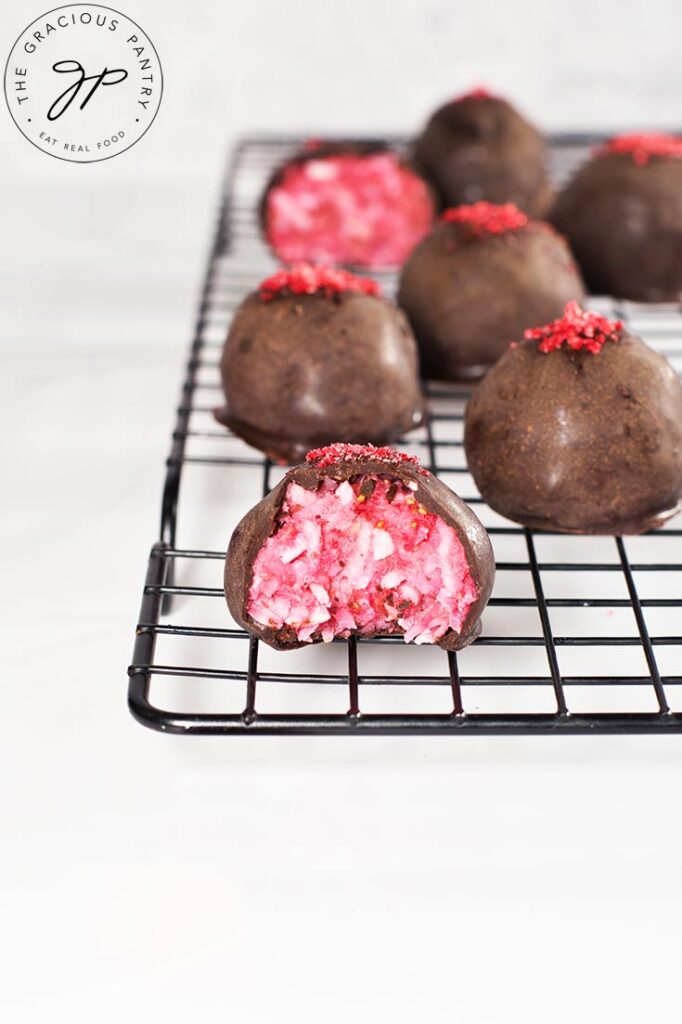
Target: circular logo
[83, 82]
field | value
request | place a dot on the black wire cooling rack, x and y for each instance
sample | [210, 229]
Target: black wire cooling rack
[582, 634]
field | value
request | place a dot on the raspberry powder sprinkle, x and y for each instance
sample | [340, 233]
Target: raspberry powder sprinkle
[479, 219]
[479, 93]
[308, 279]
[644, 147]
[577, 329]
[339, 452]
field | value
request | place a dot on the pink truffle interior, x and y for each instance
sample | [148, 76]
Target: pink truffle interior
[362, 557]
[363, 210]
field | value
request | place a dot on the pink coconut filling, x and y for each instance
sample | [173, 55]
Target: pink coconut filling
[362, 557]
[364, 210]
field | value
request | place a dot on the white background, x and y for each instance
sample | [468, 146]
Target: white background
[151, 877]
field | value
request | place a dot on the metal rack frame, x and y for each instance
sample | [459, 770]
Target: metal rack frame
[236, 240]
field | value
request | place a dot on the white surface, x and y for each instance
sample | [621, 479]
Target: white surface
[152, 877]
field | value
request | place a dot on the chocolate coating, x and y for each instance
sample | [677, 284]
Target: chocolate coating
[624, 223]
[258, 524]
[579, 442]
[481, 148]
[468, 297]
[300, 371]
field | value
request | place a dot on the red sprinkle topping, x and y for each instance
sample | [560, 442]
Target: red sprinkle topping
[578, 329]
[339, 452]
[642, 148]
[480, 93]
[486, 218]
[308, 279]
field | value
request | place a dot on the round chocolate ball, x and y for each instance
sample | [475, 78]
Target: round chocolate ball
[352, 203]
[578, 428]
[316, 354]
[359, 541]
[622, 214]
[482, 276]
[479, 147]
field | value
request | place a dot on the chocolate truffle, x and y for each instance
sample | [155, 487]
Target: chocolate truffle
[479, 147]
[359, 541]
[578, 428]
[349, 203]
[482, 276]
[622, 214]
[316, 355]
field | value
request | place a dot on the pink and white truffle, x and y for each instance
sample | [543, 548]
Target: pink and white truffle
[359, 541]
[356, 204]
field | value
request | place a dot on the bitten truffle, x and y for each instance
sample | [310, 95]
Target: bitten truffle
[479, 147]
[316, 355]
[578, 428]
[622, 214]
[359, 541]
[482, 276]
[357, 204]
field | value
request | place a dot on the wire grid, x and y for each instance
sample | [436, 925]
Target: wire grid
[582, 634]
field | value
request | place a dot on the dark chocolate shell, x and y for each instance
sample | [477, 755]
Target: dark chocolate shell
[577, 441]
[301, 371]
[623, 221]
[467, 298]
[479, 147]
